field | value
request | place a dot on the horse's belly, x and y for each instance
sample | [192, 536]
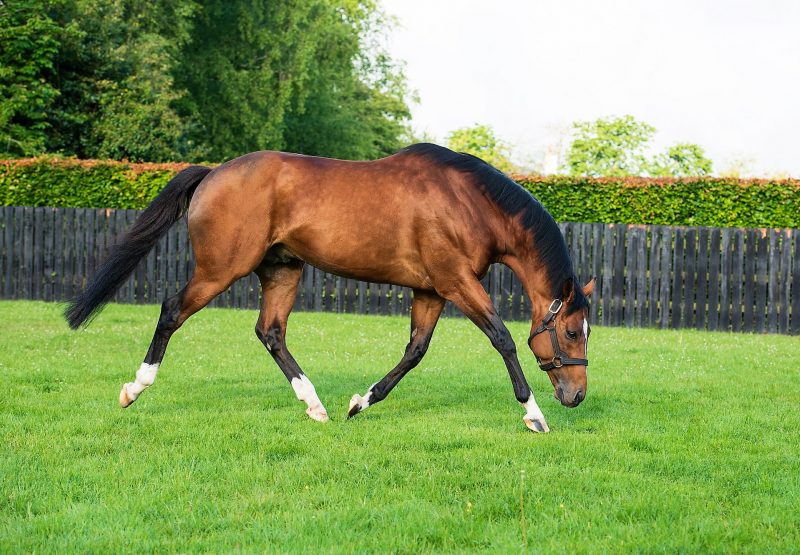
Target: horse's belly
[374, 261]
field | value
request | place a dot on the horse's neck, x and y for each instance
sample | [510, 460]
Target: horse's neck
[534, 280]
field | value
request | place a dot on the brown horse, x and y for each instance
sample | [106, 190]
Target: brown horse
[426, 218]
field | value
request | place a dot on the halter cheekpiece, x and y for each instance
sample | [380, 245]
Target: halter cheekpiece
[560, 358]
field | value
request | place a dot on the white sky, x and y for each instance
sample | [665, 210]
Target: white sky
[723, 74]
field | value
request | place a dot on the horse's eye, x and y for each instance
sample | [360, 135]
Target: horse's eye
[573, 335]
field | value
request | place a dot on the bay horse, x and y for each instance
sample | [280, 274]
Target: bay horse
[426, 218]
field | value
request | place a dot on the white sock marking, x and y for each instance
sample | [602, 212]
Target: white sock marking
[534, 418]
[305, 391]
[365, 400]
[361, 402]
[586, 335]
[145, 377]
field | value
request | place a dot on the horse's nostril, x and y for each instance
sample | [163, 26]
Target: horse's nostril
[579, 396]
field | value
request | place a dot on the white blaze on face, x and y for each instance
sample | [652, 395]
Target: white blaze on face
[586, 335]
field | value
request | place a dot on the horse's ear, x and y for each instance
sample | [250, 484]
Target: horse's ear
[568, 291]
[589, 287]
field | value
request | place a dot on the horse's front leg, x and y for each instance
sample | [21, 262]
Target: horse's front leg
[278, 292]
[468, 295]
[425, 311]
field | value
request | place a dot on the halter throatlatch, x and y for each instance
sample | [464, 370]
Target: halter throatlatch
[560, 358]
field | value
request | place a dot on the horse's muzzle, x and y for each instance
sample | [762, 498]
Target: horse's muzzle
[571, 398]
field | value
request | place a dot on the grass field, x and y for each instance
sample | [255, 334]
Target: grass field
[687, 442]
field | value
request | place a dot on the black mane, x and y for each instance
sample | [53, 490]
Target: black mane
[515, 201]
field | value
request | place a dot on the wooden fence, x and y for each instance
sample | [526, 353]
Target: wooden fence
[657, 276]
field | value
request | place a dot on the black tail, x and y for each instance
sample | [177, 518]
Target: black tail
[166, 209]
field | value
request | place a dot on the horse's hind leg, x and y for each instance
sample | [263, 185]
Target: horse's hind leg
[174, 312]
[278, 292]
[425, 311]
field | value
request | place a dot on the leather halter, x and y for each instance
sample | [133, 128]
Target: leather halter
[560, 358]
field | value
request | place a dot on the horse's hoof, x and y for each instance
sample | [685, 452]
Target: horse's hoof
[356, 405]
[125, 400]
[536, 424]
[317, 413]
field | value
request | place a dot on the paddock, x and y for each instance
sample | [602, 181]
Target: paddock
[686, 443]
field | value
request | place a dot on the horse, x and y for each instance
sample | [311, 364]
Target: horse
[425, 217]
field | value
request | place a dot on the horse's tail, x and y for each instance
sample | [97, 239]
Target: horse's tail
[166, 209]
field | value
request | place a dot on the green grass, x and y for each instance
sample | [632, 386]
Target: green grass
[687, 442]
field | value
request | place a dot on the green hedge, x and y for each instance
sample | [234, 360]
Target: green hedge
[691, 201]
[82, 183]
[707, 201]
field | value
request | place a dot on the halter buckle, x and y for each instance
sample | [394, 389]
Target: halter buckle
[555, 364]
[555, 306]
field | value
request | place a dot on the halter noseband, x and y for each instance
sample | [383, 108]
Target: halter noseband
[560, 358]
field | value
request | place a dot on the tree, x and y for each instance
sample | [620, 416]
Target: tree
[242, 76]
[617, 146]
[91, 77]
[29, 43]
[480, 140]
[163, 80]
[682, 160]
[293, 75]
[138, 118]
[356, 99]
[609, 146]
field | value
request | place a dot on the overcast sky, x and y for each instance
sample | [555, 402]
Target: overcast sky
[723, 74]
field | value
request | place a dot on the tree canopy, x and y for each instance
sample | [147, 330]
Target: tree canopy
[618, 146]
[481, 141]
[682, 160]
[183, 80]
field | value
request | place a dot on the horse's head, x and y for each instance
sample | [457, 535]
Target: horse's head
[559, 342]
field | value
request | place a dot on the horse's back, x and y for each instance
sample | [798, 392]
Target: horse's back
[380, 221]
